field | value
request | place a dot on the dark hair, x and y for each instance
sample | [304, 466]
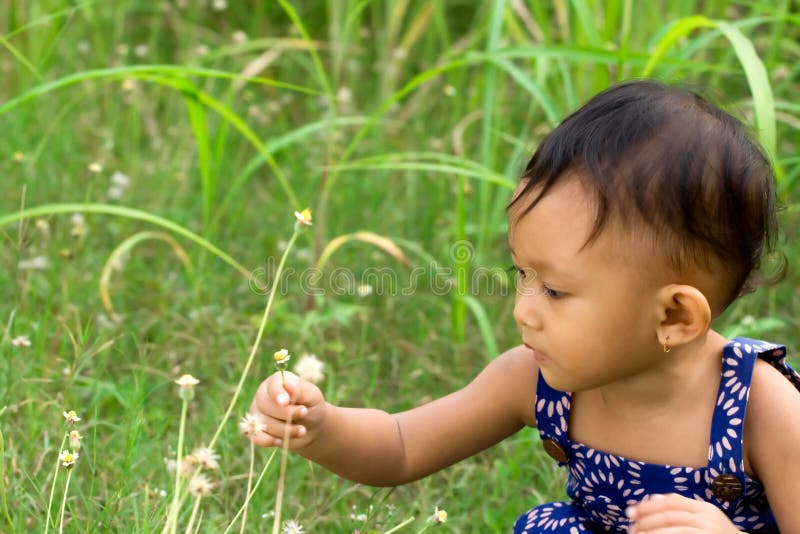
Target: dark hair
[667, 157]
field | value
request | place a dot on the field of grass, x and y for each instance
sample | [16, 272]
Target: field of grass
[152, 154]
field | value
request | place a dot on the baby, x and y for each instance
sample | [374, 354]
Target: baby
[637, 222]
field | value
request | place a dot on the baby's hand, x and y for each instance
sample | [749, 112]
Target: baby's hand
[675, 513]
[298, 403]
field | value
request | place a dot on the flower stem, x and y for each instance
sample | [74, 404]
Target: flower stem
[194, 514]
[172, 518]
[49, 519]
[276, 523]
[254, 350]
[401, 525]
[64, 501]
[250, 494]
[249, 485]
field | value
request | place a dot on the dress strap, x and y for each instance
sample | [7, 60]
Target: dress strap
[725, 475]
[552, 415]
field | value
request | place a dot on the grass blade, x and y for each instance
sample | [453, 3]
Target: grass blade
[129, 213]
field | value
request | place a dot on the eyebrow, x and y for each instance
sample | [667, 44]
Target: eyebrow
[543, 265]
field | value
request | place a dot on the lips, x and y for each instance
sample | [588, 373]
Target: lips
[538, 355]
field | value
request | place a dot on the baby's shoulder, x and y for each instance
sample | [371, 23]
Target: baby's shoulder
[772, 409]
[770, 390]
[516, 373]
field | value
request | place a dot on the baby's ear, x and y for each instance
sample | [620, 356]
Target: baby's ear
[684, 312]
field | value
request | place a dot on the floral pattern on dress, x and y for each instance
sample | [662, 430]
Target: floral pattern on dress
[601, 485]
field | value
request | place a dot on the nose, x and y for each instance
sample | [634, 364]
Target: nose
[526, 312]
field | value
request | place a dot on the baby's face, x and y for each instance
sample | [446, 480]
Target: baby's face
[588, 312]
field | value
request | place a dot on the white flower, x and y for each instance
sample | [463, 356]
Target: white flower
[239, 37]
[21, 341]
[71, 417]
[188, 464]
[141, 50]
[303, 217]
[439, 516]
[251, 425]
[344, 95]
[310, 368]
[219, 5]
[187, 382]
[119, 184]
[292, 527]
[78, 225]
[282, 357]
[68, 458]
[75, 439]
[206, 457]
[38, 263]
[364, 290]
[44, 228]
[115, 192]
[96, 167]
[200, 486]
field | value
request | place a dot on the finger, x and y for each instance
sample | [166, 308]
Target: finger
[301, 391]
[265, 405]
[667, 530]
[653, 522]
[277, 428]
[660, 502]
[276, 387]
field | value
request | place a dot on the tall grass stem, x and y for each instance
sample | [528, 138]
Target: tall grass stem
[49, 519]
[64, 502]
[172, 518]
[249, 486]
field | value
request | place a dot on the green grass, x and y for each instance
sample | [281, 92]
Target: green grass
[408, 120]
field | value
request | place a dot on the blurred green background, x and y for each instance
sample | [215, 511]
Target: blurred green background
[207, 123]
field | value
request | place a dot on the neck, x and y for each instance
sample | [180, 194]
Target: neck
[680, 378]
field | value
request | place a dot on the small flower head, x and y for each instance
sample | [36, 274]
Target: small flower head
[251, 425]
[303, 217]
[71, 417]
[439, 516]
[206, 457]
[95, 167]
[187, 467]
[78, 225]
[364, 290]
[21, 341]
[18, 156]
[187, 384]
[75, 439]
[310, 368]
[292, 527]
[38, 263]
[282, 357]
[200, 486]
[68, 458]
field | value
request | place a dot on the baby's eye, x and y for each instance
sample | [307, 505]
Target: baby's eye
[552, 293]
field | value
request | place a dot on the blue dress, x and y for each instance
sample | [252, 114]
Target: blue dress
[602, 485]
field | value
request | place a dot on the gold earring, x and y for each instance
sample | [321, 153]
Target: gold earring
[667, 348]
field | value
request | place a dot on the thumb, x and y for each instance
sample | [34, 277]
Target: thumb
[301, 391]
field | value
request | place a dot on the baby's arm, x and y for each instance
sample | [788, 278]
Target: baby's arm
[381, 449]
[772, 441]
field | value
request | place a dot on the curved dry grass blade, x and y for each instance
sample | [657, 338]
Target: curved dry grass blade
[125, 247]
[382, 242]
